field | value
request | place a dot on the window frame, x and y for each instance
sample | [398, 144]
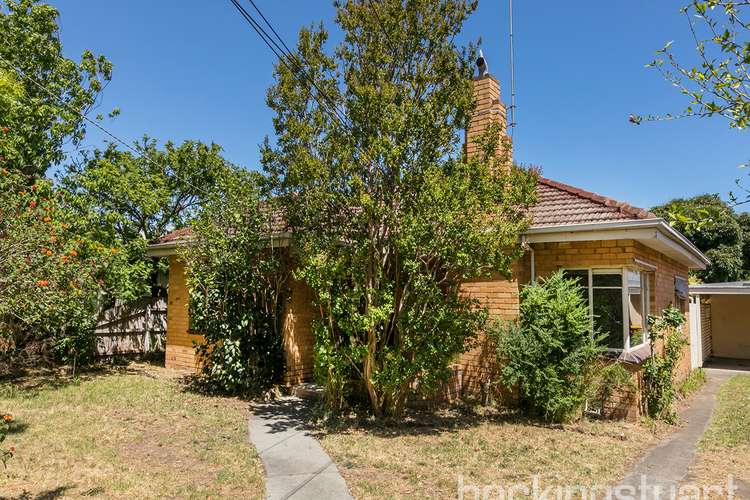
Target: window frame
[645, 292]
[624, 303]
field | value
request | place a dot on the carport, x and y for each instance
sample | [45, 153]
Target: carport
[720, 321]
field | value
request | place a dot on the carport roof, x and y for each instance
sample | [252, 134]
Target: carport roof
[726, 288]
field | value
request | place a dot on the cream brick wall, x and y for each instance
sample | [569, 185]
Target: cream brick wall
[180, 350]
[298, 337]
[499, 294]
[621, 253]
[479, 365]
[489, 109]
[299, 342]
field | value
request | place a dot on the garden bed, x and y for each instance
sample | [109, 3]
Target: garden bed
[133, 433]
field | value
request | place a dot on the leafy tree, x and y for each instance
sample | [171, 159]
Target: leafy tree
[130, 200]
[237, 286]
[51, 271]
[713, 227]
[390, 216]
[550, 355]
[43, 116]
[717, 83]
[744, 221]
[726, 264]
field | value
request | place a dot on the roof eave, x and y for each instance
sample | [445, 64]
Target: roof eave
[718, 289]
[170, 248]
[163, 249]
[653, 232]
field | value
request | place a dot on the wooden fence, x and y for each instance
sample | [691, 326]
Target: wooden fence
[136, 327]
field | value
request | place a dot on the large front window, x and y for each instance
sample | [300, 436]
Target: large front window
[618, 302]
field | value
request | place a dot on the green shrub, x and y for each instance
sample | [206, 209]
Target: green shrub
[52, 271]
[659, 369]
[237, 285]
[550, 355]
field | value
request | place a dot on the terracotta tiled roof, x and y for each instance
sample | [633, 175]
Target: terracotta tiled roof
[277, 223]
[560, 204]
[175, 235]
[557, 204]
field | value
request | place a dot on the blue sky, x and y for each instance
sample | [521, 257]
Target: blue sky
[185, 69]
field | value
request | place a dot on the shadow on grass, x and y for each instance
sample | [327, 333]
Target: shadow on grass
[195, 383]
[17, 427]
[423, 422]
[58, 492]
[32, 381]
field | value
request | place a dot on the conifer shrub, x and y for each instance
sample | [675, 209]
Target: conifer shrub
[549, 355]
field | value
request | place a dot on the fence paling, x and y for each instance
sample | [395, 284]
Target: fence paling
[137, 327]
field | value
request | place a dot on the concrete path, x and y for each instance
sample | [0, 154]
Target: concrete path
[666, 465]
[296, 465]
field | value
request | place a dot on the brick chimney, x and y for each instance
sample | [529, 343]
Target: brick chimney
[488, 109]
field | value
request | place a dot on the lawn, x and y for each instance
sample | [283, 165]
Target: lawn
[132, 433]
[424, 458]
[725, 447]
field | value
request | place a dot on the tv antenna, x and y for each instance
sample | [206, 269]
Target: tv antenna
[512, 124]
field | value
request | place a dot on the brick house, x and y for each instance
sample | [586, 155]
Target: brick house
[630, 262]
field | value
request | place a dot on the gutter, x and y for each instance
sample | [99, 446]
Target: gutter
[661, 231]
[719, 289]
[170, 247]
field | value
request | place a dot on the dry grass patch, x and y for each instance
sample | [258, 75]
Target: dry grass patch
[135, 433]
[725, 447]
[424, 458]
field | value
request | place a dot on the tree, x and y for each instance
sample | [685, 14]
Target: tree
[390, 217]
[718, 84]
[48, 91]
[51, 271]
[714, 228]
[238, 285]
[130, 200]
[744, 221]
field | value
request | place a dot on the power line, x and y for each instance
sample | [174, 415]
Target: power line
[139, 154]
[287, 57]
[338, 115]
[292, 56]
[289, 51]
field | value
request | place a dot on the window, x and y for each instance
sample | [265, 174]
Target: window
[618, 302]
[606, 307]
[638, 307]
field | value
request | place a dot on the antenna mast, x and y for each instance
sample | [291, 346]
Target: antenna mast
[512, 124]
